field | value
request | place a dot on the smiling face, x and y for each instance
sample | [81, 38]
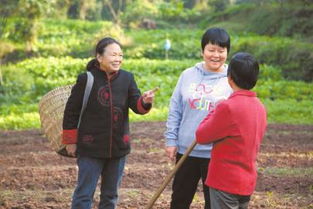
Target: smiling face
[111, 59]
[214, 57]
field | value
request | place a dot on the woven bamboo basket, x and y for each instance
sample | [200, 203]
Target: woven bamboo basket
[51, 110]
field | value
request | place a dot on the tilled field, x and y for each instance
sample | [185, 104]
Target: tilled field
[34, 177]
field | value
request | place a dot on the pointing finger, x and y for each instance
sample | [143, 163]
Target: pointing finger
[155, 89]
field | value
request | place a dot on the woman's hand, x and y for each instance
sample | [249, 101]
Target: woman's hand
[71, 149]
[171, 152]
[148, 96]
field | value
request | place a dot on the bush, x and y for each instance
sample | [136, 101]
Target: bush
[137, 11]
[290, 19]
[31, 79]
[293, 57]
[279, 90]
[26, 82]
[74, 38]
[39, 75]
[289, 111]
[150, 44]
[286, 20]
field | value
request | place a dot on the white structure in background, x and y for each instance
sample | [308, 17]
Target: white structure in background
[167, 47]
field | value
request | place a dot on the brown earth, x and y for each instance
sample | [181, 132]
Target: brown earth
[34, 177]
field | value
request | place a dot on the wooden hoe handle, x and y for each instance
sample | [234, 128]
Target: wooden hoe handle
[170, 175]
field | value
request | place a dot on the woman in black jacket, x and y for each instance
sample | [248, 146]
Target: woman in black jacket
[101, 141]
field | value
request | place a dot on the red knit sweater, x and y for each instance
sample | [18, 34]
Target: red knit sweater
[236, 127]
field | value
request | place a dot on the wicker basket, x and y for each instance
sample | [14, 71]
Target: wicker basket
[51, 110]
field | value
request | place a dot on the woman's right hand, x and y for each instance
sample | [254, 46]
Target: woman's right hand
[171, 152]
[71, 149]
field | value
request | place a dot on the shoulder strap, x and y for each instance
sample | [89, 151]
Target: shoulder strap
[88, 88]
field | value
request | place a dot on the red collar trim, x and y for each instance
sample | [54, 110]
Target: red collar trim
[243, 93]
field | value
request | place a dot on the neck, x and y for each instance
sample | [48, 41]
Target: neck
[110, 74]
[233, 85]
[236, 88]
[106, 71]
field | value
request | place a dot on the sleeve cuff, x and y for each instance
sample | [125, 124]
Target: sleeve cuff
[142, 107]
[69, 136]
[171, 143]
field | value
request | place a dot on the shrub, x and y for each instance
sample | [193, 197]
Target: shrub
[293, 57]
[29, 80]
[26, 82]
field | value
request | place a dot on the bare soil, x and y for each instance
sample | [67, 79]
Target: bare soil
[32, 176]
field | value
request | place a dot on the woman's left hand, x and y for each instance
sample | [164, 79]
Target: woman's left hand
[148, 96]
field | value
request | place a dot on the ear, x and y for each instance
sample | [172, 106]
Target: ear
[99, 58]
[230, 81]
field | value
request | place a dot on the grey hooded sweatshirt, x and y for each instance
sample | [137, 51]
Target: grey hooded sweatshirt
[197, 92]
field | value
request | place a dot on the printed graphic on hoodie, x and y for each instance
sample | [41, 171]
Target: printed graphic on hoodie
[204, 96]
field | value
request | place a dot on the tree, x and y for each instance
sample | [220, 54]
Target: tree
[219, 5]
[27, 14]
[32, 11]
[81, 9]
[116, 8]
[140, 13]
[114, 11]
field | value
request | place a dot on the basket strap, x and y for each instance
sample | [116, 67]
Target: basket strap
[86, 95]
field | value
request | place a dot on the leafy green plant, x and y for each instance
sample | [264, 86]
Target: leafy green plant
[289, 111]
[292, 56]
[25, 82]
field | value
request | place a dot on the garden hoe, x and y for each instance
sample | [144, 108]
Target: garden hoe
[170, 175]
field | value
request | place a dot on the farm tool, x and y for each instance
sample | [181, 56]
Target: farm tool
[170, 176]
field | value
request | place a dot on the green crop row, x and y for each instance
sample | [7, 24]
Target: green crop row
[38, 76]
[292, 56]
[77, 38]
[27, 81]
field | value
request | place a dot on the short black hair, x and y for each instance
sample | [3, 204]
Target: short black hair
[243, 69]
[216, 36]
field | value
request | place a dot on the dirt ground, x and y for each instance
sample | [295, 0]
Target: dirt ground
[32, 176]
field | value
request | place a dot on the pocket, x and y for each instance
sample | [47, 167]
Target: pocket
[123, 142]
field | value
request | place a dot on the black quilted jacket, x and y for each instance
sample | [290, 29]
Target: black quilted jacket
[104, 128]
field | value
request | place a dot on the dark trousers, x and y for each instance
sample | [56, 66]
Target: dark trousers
[186, 182]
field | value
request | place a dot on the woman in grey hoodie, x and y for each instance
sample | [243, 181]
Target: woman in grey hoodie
[197, 92]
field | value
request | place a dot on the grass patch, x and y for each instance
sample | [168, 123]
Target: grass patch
[289, 111]
[287, 171]
[20, 121]
[39, 195]
[25, 116]
[275, 200]
[293, 154]
[300, 155]
[155, 114]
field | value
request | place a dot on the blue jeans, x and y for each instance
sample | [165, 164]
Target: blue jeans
[89, 171]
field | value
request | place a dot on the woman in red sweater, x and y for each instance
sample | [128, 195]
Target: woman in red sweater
[236, 127]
